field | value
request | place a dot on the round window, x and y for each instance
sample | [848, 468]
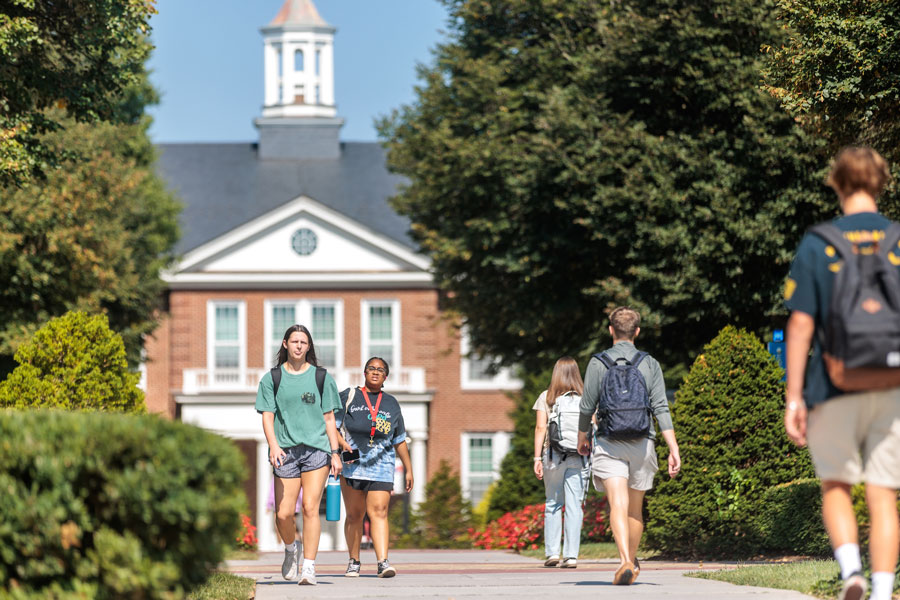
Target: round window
[304, 242]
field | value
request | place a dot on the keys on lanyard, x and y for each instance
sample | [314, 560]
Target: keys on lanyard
[373, 412]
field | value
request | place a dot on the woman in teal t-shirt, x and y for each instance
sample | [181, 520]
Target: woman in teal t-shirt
[299, 426]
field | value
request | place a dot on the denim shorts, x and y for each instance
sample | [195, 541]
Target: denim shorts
[300, 459]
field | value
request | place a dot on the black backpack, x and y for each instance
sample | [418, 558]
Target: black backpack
[320, 382]
[623, 411]
[861, 334]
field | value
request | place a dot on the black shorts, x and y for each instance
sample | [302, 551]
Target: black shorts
[364, 485]
[301, 459]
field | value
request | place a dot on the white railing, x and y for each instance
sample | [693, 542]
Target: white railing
[242, 381]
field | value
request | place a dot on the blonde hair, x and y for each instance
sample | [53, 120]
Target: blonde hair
[625, 322]
[566, 378]
[858, 168]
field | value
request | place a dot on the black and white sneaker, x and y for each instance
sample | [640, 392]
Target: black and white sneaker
[291, 565]
[551, 561]
[353, 568]
[385, 569]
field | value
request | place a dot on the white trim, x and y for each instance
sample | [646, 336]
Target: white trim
[303, 315]
[211, 335]
[364, 305]
[288, 211]
[293, 281]
[500, 442]
[503, 380]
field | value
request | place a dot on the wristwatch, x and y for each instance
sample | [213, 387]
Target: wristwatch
[335, 450]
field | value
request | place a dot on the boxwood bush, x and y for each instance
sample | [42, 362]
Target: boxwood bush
[728, 416]
[99, 505]
[790, 519]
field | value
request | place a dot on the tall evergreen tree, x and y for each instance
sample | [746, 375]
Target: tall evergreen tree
[566, 156]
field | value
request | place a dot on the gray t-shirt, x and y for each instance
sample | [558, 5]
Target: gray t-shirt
[653, 376]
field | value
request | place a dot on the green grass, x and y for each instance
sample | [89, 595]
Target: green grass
[798, 576]
[591, 550]
[225, 586]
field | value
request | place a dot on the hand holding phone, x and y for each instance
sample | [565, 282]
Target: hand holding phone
[350, 456]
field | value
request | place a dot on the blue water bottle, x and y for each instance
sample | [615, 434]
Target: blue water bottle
[333, 499]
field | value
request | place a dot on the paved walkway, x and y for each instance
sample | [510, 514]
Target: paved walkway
[457, 574]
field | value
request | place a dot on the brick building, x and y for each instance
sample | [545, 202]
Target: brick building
[297, 229]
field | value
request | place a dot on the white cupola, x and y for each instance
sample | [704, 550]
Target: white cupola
[299, 117]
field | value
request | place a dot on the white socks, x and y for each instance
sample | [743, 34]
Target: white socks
[295, 546]
[308, 563]
[882, 586]
[847, 556]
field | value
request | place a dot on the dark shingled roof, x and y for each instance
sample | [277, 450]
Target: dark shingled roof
[224, 186]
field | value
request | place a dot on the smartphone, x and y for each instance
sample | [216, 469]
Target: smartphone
[351, 456]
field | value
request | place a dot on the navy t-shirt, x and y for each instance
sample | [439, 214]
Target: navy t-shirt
[808, 288]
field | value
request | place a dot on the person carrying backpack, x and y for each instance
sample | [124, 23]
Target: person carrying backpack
[558, 464]
[624, 387]
[843, 292]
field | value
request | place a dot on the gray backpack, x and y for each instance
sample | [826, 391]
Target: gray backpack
[562, 424]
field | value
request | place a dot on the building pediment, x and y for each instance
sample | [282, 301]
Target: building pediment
[301, 244]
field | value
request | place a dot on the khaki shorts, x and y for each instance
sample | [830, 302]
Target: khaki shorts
[856, 437]
[635, 460]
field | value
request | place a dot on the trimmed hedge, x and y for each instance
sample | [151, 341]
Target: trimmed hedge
[74, 361]
[790, 521]
[98, 505]
[728, 416]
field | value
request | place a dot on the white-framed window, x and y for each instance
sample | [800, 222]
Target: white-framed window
[380, 321]
[474, 371]
[323, 318]
[480, 458]
[298, 60]
[226, 340]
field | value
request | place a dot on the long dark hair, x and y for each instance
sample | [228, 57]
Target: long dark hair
[282, 356]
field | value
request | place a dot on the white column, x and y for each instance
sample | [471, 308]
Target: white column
[326, 73]
[287, 73]
[270, 60]
[265, 519]
[309, 72]
[419, 457]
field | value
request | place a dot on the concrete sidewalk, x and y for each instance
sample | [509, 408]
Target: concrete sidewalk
[455, 574]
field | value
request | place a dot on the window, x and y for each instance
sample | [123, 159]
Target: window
[481, 454]
[298, 60]
[475, 373]
[323, 318]
[381, 331]
[226, 336]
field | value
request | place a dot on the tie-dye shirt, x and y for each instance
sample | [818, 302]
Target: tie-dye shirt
[376, 462]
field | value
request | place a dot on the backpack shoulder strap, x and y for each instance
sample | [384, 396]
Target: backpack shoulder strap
[320, 383]
[637, 358]
[276, 380]
[891, 239]
[605, 359]
[832, 235]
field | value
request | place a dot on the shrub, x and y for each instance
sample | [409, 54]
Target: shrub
[113, 506]
[791, 519]
[441, 521]
[595, 527]
[518, 530]
[74, 361]
[728, 416]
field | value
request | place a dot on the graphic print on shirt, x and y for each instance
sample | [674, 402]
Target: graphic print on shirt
[377, 461]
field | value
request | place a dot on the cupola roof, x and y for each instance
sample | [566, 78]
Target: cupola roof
[298, 12]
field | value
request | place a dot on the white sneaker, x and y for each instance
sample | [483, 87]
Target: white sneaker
[291, 563]
[853, 588]
[551, 561]
[308, 576]
[569, 563]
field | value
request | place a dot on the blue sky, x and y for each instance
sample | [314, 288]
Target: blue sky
[208, 63]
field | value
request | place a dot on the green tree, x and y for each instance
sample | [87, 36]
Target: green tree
[566, 156]
[838, 73]
[78, 55]
[518, 486]
[444, 518]
[728, 417]
[75, 362]
[93, 236]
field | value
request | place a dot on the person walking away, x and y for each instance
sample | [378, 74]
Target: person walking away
[557, 462]
[374, 425]
[624, 387]
[849, 418]
[297, 400]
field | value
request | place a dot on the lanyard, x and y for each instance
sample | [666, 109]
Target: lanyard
[372, 411]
